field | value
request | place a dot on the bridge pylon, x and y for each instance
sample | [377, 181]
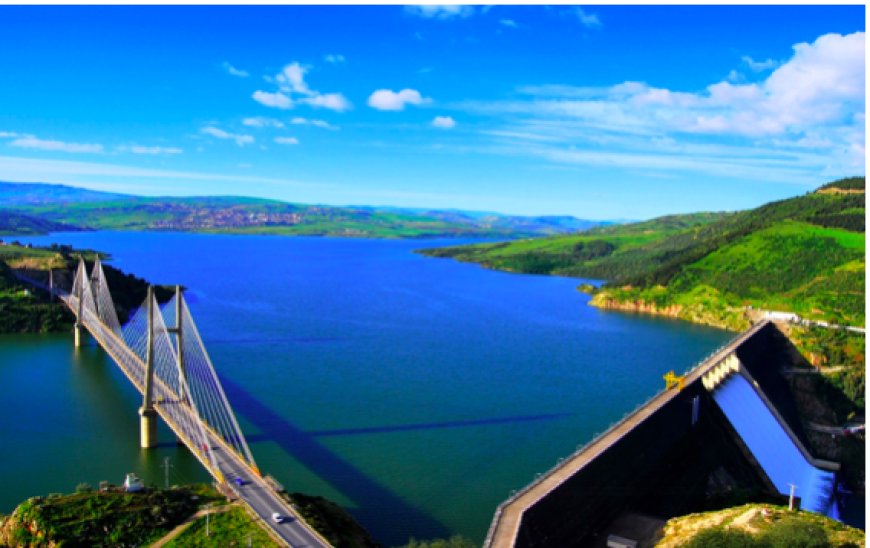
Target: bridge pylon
[78, 290]
[147, 413]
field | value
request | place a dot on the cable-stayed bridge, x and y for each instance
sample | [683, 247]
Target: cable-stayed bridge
[161, 352]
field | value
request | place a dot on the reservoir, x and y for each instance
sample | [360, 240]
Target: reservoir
[415, 392]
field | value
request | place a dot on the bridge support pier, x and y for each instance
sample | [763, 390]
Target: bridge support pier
[147, 428]
[147, 413]
[77, 335]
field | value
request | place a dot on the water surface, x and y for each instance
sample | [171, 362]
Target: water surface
[416, 392]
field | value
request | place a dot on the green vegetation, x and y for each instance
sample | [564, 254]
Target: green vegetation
[758, 526]
[849, 183]
[17, 223]
[102, 518]
[26, 309]
[113, 517]
[834, 397]
[65, 208]
[232, 527]
[839, 356]
[803, 255]
[815, 272]
[603, 252]
[455, 541]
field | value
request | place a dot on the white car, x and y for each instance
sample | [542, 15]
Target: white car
[277, 518]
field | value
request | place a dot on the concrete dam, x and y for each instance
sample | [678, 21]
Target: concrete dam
[730, 434]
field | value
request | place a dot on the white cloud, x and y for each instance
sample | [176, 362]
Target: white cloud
[262, 121]
[291, 82]
[510, 23]
[821, 81]
[589, 20]
[807, 111]
[334, 58]
[241, 140]
[274, 100]
[234, 71]
[155, 150]
[331, 101]
[434, 11]
[445, 122]
[287, 140]
[758, 66]
[385, 99]
[7, 134]
[30, 141]
[823, 84]
[299, 121]
[291, 79]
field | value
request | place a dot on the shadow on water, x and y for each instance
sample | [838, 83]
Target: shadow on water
[437, 425]
[373, 500]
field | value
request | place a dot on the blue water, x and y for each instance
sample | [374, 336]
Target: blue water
[772, 447]
[416, 392]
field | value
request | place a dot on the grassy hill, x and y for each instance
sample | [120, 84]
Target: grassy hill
[605, 252]
[69, 207]
[25, 309]
[102, 518]
[17, 223]
[803, 254]
[757, 525]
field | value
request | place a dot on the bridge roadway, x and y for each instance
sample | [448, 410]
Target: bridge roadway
[506, 524]
[254, 492]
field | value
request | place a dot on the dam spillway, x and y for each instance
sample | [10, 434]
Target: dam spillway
[678, 453]
[774, 450]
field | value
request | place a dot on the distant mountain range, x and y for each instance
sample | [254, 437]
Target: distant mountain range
[37, 207]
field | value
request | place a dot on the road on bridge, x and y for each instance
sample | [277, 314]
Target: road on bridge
[263, 500]
[176, 409]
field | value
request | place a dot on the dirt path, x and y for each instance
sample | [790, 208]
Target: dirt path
[186, 523]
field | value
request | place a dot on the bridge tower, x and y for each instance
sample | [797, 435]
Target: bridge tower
[147, 413]
[77, 329]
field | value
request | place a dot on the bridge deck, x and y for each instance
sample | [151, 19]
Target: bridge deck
[506, 524]
[221, 461]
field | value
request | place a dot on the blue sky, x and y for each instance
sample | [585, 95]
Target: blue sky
[601, 112]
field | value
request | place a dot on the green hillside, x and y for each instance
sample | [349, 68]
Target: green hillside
[17, 223]
[802, 254]
[60, 207]
[604, 252]
[757, 525]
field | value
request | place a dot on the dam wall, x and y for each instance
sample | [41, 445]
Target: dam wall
[664, 459]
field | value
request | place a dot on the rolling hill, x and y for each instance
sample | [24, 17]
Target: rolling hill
[17, 223]
[86, 209]
[804, 255]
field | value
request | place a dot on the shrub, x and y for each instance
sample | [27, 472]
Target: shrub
[718, 537]
[790, 533]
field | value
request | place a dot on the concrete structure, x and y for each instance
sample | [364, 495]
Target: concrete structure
[179, 384]
[646, 462]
